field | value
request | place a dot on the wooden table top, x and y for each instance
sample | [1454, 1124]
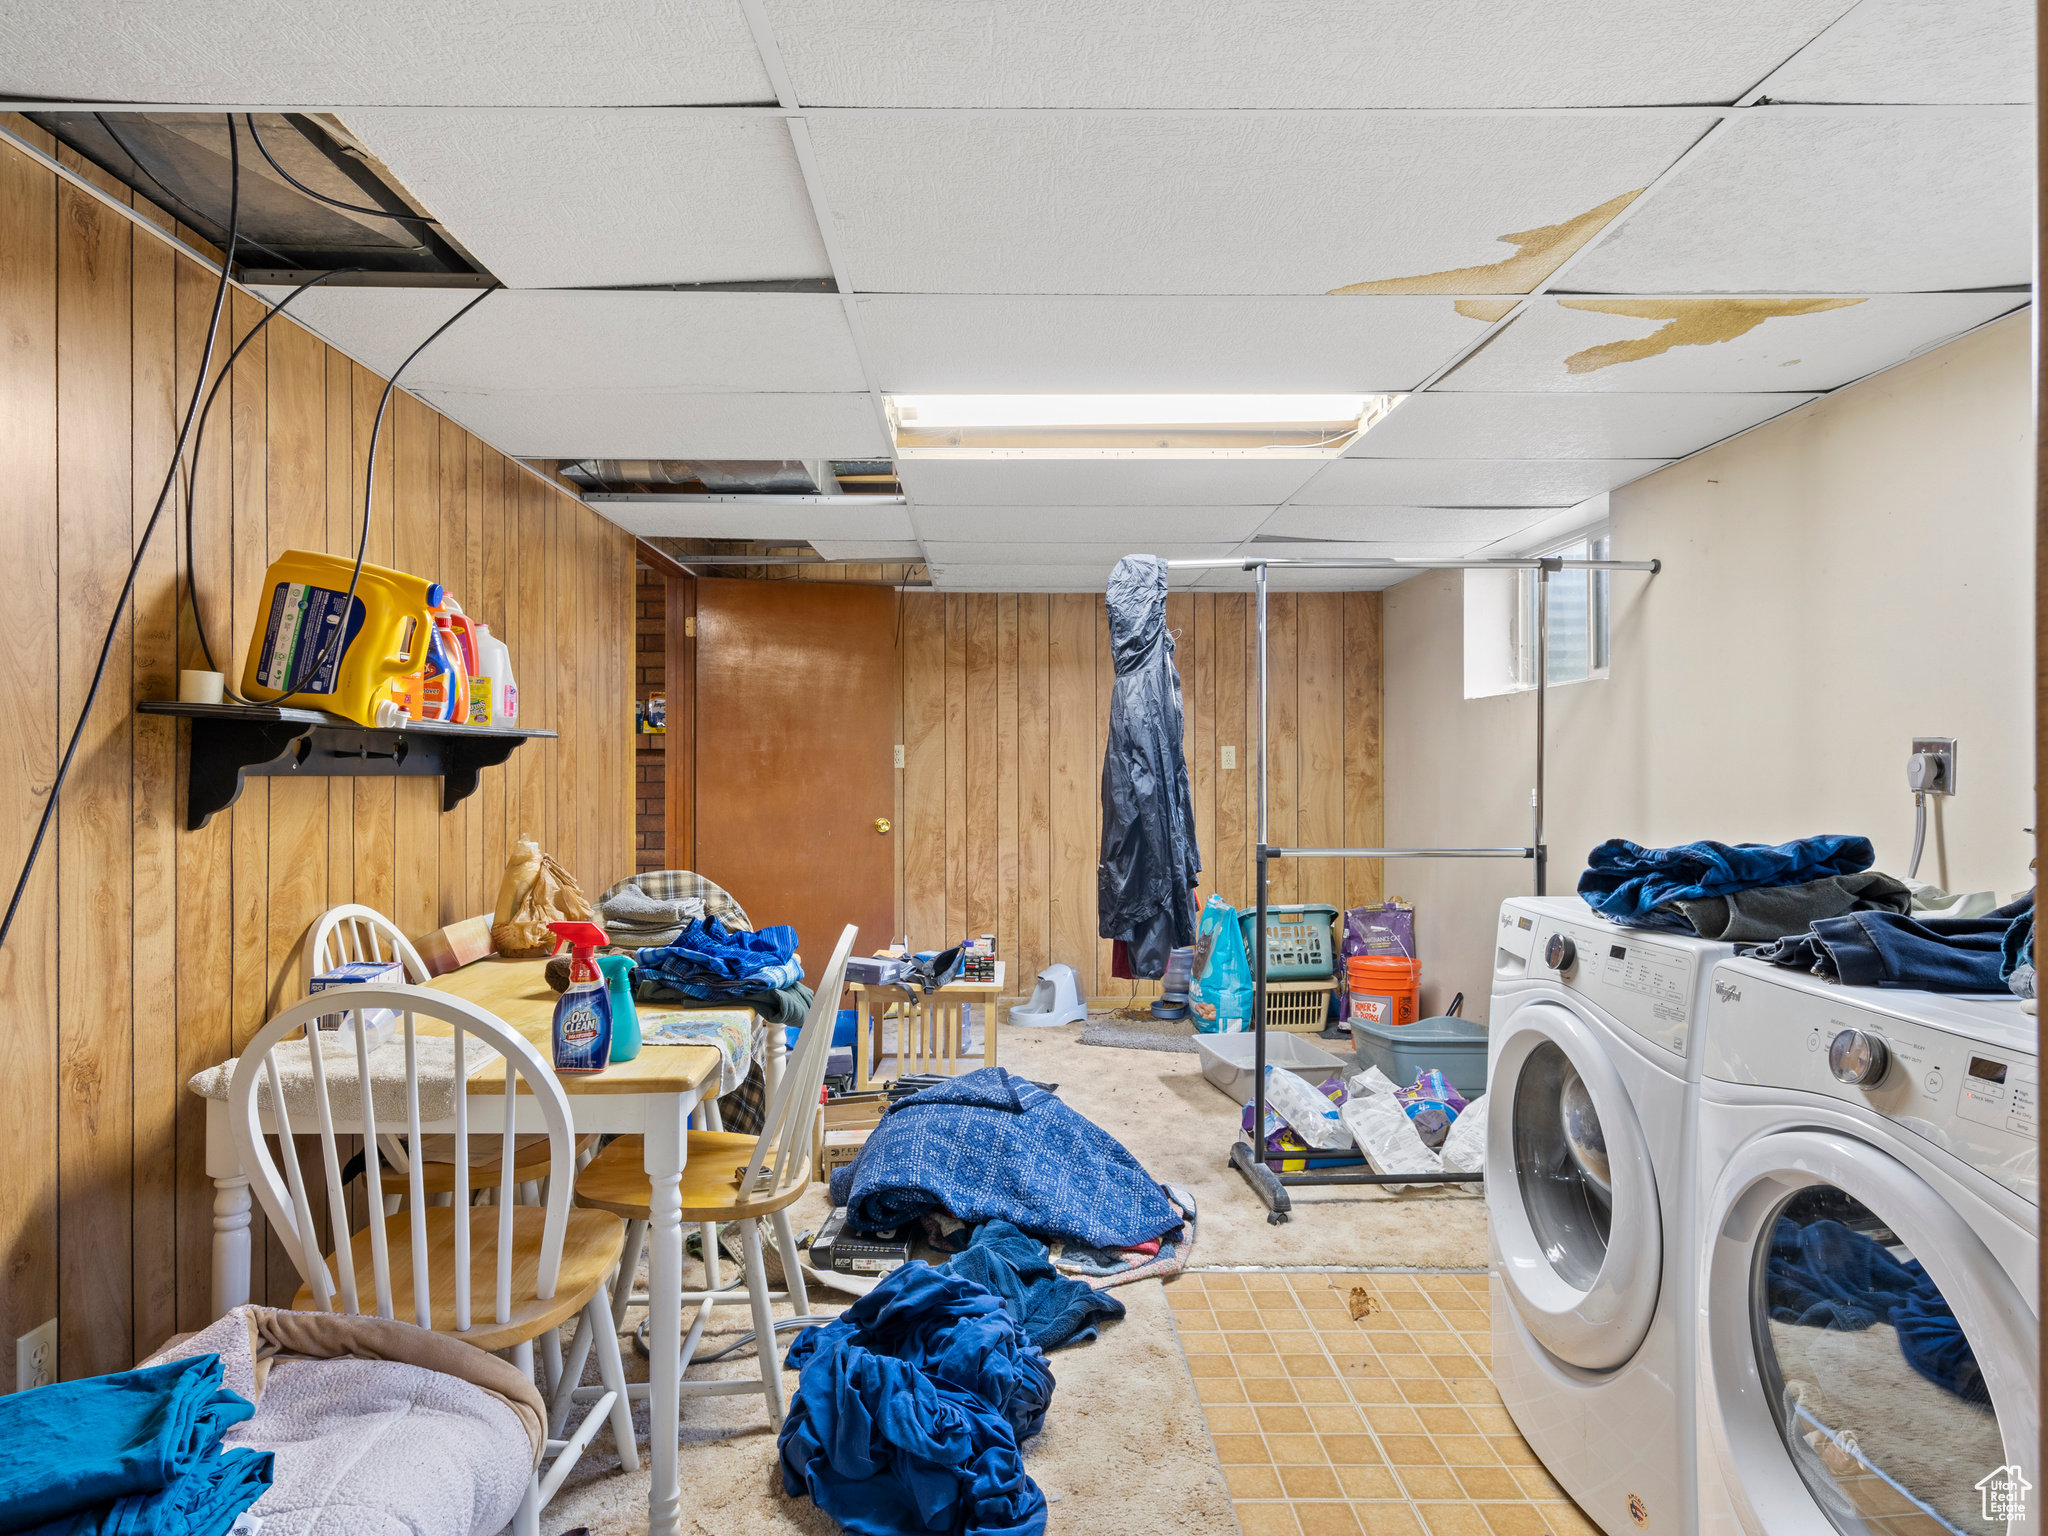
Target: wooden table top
[949, 988]
[517, 991]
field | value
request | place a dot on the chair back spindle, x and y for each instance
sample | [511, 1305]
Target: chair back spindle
[786, 1128]
[282, 1192]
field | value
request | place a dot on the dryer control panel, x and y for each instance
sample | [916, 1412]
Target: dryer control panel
[1638, 982]
[1960, 1073]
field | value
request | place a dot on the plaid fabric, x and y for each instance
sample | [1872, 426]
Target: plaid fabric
[745, 1109]
[679, 884]
[450, 948]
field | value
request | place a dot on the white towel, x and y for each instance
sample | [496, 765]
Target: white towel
[435, 1054]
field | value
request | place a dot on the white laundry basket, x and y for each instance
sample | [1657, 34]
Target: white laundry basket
[1055, 1000]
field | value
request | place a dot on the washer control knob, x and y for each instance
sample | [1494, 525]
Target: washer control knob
[1858, 1059]
[1560, 954]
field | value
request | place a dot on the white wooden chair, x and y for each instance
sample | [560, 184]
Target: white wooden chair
[353, 933]
[732, 1178]
[498, 1277]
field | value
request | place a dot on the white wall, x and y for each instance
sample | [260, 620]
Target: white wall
[1835, 582]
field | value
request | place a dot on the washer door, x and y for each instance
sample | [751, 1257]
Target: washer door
[1581, 1239]
[1866, 1363]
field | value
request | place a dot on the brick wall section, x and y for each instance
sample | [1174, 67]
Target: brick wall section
[650, 787]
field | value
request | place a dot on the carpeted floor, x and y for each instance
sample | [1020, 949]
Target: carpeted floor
[1125, 1445]
[1124, 1448]
[1159, 1105]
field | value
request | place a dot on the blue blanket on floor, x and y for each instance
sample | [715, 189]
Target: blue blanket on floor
[910, 1409]
[1626, 881]
[1052, 1309]
[988, 1146]
[1823, 1275]
[137, 1453]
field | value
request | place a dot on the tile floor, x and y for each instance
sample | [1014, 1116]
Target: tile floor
[1384, 1425]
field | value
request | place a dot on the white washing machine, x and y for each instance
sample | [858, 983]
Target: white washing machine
[1870, 1234]
[1591, 1066]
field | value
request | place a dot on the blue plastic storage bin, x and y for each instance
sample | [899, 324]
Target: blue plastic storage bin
[1455, 1047]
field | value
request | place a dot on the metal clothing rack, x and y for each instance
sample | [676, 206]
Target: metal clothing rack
[1257, 1165]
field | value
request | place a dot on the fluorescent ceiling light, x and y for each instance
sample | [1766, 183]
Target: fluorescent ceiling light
[1130, 426]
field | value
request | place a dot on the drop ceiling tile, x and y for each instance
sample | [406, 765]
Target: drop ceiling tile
[1250, 203]
[1245, 53]
[1564, 426]
[384, 52]
[1117, 344]
[1471, 482]
[1361, 549]
[713, 342]
[548, 423]
[1917, 50]
[1875, 203]
[1028, 578]
[1460, 525]
[1671, 346]
[753, 520]
[1104, 482]
[869, 549]
[1100, 554]
[1056, 525]
[593, 199]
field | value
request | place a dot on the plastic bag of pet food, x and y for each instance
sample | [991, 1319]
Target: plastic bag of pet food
[1385, 929]
[1464, 1150]
[1432, 1104]
[1388, 1138]
[1222, 1000]
[1312, 1115]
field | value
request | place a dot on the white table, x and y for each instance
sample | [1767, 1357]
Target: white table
[651, 1096]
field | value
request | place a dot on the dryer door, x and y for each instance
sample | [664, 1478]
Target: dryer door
[1866, 1363]
[1577, 1221]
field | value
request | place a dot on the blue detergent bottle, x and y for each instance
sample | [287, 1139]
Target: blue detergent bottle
[618, 971]
[583, 1015]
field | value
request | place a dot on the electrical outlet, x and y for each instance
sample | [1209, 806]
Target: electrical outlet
[35, 1357]
[1932, 767]
[1229, 756]
[899, 754]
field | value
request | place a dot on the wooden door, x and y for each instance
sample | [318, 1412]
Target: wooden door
[796, 737]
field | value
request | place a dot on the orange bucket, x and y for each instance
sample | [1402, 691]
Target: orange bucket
[1384, 988]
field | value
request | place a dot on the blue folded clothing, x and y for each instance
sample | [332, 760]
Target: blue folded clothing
[104, 1448]
[989, 1146]
[910, 1409]
[1626, 881]
[1052, 1309]
[1889, 949]
[709, 960]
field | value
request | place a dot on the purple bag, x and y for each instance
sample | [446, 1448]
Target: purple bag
[1387, 929]
[1432, 1104]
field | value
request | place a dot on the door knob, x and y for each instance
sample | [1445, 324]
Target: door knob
[882, 824]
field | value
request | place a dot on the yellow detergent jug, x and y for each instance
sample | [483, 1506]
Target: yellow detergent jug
[303, 598]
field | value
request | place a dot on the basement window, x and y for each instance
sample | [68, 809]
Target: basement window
[1130, 426]
[1501, 623]
[180, 162]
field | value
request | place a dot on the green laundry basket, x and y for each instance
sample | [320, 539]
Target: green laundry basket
[1300, 944]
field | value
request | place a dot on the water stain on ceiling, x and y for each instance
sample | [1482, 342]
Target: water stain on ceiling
[1484, 309]
[1538, 253]
[1691, 323]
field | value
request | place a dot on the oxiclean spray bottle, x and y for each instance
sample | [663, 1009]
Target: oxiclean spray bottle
[583, 1016]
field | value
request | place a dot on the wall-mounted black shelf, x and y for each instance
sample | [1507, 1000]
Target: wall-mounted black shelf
[232, 741]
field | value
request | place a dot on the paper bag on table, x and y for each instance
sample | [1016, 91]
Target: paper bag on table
[536, 891]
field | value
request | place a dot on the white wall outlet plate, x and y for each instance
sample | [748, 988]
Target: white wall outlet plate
[1229, 757]
[35, 1357]
[899, 754]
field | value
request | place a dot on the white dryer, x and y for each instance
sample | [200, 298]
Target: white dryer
[1591, 1059]
[1869, 1215]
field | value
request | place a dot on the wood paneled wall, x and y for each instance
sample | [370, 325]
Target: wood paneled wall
[145, 953]
[1005, 712]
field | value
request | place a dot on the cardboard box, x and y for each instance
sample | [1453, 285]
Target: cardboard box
[380, 1022]
[841, 1148]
